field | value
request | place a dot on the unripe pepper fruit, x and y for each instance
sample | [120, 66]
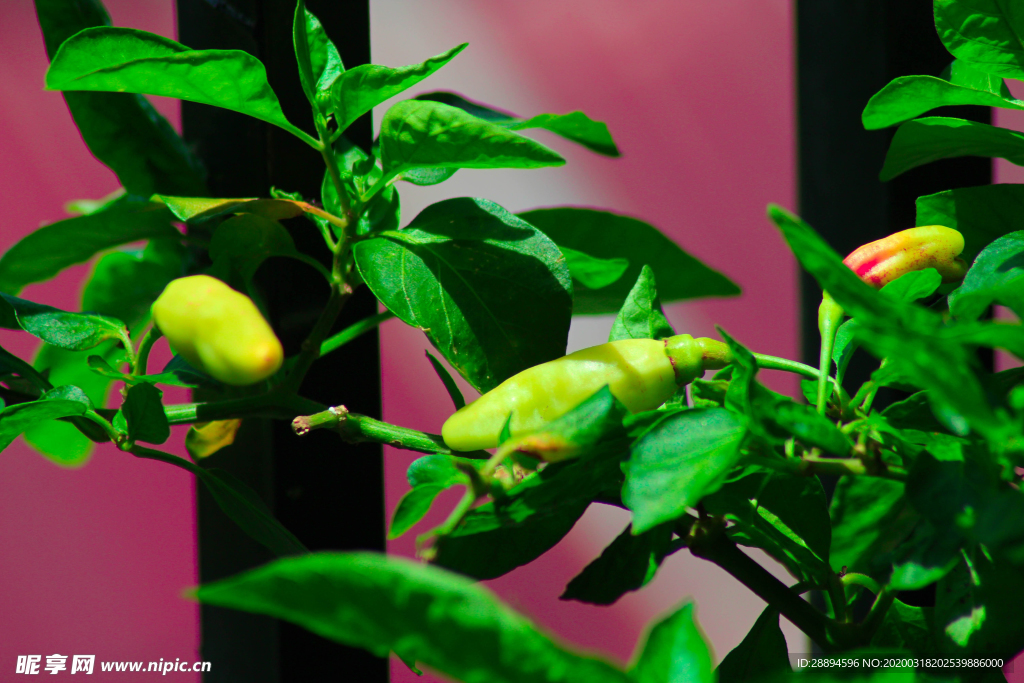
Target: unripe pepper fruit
[641, 373]
[218, 330]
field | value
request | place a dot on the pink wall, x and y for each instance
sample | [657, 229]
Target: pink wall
[94, 559]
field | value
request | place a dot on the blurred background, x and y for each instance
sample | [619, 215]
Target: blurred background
[700, 99]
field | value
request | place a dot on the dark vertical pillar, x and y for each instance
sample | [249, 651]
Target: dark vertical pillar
[846, 52]
[328, 493]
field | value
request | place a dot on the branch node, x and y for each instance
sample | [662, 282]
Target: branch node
[327, 419]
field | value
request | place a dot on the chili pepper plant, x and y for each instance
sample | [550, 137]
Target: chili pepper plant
[678, 431]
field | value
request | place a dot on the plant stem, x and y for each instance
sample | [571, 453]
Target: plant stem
[311, 346]
[445, 528]
[854, 579]
[126, 342]
[354, 330]
[837, 595]
[108, 428]
[356, 428]
[152, 454]
[876, 615]
[273, 405]
[145, 346]
[811, 464]
[327, 152]
[708, 541]
[786, 365]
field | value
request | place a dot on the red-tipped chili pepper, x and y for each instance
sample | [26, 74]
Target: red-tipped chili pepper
[880, 262]
[931, 246]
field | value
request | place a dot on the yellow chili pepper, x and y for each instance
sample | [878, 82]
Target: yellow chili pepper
[641, 373]
[218, 330]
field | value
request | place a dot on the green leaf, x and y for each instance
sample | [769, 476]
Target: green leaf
[124, 284]
[606, 235]
[449, 384]
[675, 651]
[122, 130]
[428, 176]
[976, 608]
[246, 509]
[962, 496]
[198, 209]
[101, 367]
[927, 556]
[808, 426]
[575, 126]
[64, 401]
[597, 419]
[63, 442]
[708, 393]
[128, 60]
[491, 292]
[481, 111]
[905, 627]
[981, 214]
[641, 316]
[412, 507]
[362, 88]
[503, 534]
[628, 564]
[427, 476]
[318, 58]
[842, 353]
[762, 653]
[383, 603]
[784, 515]
[870, 516]
[44, 253]
[72, 331]
[997, 275]
[677, 462]
[242, 243]
[144, 416]
[416, 134]
[987, 34]
[910, 96]
[439, 469]
[923, 141]
[913, 412]
[592, 272]
[912, 286]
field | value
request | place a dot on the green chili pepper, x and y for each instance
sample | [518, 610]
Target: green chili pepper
[218, 330]
[641, 373]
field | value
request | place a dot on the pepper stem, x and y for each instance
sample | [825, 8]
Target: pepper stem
[830, 315]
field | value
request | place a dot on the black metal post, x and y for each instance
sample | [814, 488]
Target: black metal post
[330, 494]
[846, 52]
